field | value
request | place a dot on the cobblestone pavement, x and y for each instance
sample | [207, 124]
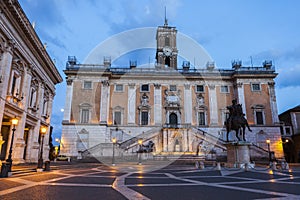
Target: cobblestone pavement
[96, 181]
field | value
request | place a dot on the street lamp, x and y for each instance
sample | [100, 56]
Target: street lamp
[286, 140]
[268, 142]
[14, 122]
[40, 161]
[140, 142]
[114, 141]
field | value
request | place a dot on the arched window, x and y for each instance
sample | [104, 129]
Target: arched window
[173, 120]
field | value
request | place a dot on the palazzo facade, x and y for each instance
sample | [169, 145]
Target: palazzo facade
[27, 86]
[180, 109]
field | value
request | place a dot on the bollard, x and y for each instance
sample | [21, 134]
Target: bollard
[5, 170]
[246, 167]
[274, 165]
[287, 166]
[197, 164]
[284, 165]
[47, 166]
[219, 166]
[202, 165]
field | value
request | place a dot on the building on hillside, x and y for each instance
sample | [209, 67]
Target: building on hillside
[179, 109]
[290, 133]
[27, 86]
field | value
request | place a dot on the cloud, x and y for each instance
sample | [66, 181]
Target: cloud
[287, 64]
[124, 15]
[289, 75]
[284, 99]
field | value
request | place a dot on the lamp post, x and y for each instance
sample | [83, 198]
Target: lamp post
[14, 122]
[114, 141]
[40, 161]
[140, 142]
[268, 142]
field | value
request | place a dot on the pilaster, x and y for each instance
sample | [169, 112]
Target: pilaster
[213, 107]
[157, 105]
[241, 96]
[5, 60]
[273, 103]
[187, 103]
[131, 103]
[68, 103]
[104, 106]
[165, 140]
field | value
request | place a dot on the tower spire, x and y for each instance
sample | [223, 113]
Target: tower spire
[166, 21]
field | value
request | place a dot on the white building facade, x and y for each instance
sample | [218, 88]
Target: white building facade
[27, 86]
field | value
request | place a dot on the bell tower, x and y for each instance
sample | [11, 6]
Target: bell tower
[166, 48]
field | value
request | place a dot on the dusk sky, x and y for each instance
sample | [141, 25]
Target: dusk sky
[227, 30]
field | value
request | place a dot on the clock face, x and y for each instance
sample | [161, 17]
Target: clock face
[167, 51]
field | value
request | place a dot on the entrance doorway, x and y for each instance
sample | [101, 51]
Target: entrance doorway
[5, 133]
[177, 146]
[173, 120]
[25, 137]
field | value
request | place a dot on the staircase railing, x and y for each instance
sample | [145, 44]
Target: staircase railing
[132, 142]
[211, 138]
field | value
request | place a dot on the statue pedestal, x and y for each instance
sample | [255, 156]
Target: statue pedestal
[238, 154]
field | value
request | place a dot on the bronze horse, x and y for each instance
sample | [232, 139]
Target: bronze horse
[238, 123]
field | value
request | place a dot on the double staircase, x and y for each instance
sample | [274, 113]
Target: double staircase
[212, 146]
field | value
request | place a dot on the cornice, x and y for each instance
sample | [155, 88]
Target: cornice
[18, 19]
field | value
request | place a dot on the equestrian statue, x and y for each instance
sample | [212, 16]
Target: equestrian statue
[236, 120]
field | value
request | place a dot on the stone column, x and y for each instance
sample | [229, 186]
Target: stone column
[157, 105]
[5, 62]
[40, 98]
[188, 110]
[213, 107]
[50, 105]
[104, 105]
[26, 87]
[273, 103]
[131, 103]
[68, 103]
[241, 96]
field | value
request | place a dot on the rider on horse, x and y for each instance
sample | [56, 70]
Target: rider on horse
[236, 113]
[233, 112]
